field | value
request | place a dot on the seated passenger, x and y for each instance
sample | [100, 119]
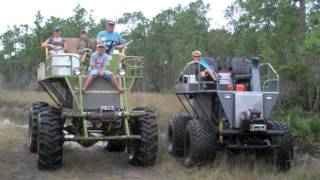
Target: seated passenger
[98, 61]
[55, 44]
[205, 68]
[84, 48]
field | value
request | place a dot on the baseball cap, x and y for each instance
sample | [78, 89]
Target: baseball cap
[56, 29]
[83, 31]
[111, 22]
[101, 44]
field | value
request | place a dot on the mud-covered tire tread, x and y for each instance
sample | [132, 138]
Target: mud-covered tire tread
[33, 124]
[146, 148]
[202, 143]
[283, 156]
[176, 130]
[50, 139]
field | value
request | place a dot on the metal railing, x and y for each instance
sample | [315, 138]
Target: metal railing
[267, 80]
[271, 77]
[134, 66]
[69, 68]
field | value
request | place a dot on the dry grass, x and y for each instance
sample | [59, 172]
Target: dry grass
[22, 98]
[226, 167]
[167, 167]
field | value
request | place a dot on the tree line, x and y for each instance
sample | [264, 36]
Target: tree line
[284, 32]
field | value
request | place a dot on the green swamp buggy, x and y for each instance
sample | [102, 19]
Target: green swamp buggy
[232, 113]
[99, 114]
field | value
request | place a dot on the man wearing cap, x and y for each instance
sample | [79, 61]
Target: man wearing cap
[111, 39]
[205, 68]
[55, 44]
[98, 61]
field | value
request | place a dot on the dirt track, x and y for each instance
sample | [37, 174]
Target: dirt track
[79, 163]
[94, 163]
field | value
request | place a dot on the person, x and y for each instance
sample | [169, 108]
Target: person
[98, 61]
[84, 47]
[55, 44]
[111, 39]
[205, 68]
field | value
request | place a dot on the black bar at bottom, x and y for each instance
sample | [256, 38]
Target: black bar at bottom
[239, 132]
[236, 146]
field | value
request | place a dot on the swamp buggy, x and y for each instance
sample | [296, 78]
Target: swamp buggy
[232, 112]
[100, 113]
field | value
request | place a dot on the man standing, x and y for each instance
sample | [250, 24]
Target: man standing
[111, 39]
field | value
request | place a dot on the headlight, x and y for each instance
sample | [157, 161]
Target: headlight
[122, 69]
[77, 71]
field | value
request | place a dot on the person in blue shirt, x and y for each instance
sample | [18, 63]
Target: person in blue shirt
[111, 39]
[205, 68]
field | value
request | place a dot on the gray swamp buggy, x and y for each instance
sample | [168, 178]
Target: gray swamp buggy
[99, 114]
[232, 113]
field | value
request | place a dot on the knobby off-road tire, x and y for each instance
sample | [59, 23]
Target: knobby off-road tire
[145, 150]
[50, 139]
[176, 129]
[33, 124]
[200, 143]
[283, 155]
[115, 146]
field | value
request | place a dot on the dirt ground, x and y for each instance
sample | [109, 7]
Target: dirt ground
[94, 163]
[79, 163]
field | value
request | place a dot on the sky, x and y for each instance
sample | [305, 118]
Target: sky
[17, 12]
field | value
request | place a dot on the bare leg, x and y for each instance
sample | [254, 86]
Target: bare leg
[88, 83]
[116, 84]
[211, 74]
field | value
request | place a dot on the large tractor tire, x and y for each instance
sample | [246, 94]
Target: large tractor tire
[50, 139]
[115, 146]
[33, 124]
[200, 143]
[176, 129]
[145, 149]
[283, 155]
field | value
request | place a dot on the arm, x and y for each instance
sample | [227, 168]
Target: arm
[120, 46]
[78, 47]
[105, 62]
[46, 44]
[65, 46]
[92, 62]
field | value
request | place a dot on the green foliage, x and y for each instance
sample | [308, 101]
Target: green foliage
[270, 28]
[305, 128]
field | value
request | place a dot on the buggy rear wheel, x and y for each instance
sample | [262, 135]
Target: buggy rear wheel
[176, 129]
[145, 149]
[33, 125]
[283, 155]
[50, 139]
[200, 143]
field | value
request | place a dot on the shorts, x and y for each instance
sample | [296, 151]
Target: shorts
[95, 73]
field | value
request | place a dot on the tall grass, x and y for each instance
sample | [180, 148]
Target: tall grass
[22, 98]
[305, 127]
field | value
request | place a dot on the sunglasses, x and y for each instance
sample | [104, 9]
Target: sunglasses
[196, 56]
